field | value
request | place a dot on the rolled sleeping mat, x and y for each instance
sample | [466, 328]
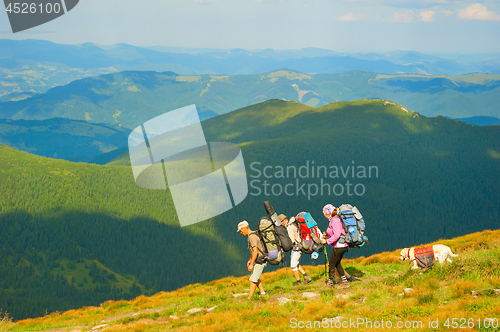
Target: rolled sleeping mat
[270, 212]
[286, 242]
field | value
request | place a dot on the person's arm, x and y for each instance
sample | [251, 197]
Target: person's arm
[255, 253]
[335, 229]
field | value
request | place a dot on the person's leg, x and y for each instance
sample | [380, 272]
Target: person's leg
[253, 286]
[335, 258]
[294, 264]
[341, 271]
[255, 279]
[261, 288]
[307, 278]
[337, 277]
[339, 267]
[331, 265]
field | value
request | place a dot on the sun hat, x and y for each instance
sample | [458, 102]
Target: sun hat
[282, 216]
[328, 209]
[242, 224]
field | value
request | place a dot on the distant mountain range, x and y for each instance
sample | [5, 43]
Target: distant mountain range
[481, 120]
[99, 112]
[130, 98]
[37, 65]
[71, 140]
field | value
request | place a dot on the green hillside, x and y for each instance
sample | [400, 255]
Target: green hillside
[66, 139]
[130, 98]
[432, 175]
[462, 295]
[76, 234]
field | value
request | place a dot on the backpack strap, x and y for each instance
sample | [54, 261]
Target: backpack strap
[260, 239]
[342, 221]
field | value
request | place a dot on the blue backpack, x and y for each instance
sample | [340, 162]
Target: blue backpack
[354, 226]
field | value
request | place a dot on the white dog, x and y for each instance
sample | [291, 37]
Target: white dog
[441, 253]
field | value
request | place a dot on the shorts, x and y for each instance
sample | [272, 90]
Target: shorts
[256, 272]
[294, 259]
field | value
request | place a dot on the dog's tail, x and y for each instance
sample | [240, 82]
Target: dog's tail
[452, 254]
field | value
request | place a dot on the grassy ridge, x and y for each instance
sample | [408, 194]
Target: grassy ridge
[432, 172]
[462, 289]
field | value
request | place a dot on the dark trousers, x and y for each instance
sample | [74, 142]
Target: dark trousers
[335, 258]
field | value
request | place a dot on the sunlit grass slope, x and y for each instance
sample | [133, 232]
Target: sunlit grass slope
[466, 289]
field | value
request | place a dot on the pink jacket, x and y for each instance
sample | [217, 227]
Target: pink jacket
[334, 231]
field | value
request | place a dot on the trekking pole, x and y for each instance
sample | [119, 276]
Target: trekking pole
[286, 271]
[326, 260]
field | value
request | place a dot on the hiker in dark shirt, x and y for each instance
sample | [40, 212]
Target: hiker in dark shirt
[255, 264]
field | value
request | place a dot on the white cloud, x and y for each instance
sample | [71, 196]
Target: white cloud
[350, 17]
[405, 17]
[478, 11]
[447, 12]
[427, 16]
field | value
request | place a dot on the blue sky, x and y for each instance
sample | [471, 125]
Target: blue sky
[341, 25]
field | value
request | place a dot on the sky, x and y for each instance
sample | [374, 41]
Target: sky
[428, 26]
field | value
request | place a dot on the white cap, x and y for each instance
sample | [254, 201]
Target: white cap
[242, 224]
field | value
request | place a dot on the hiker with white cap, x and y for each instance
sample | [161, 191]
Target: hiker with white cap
[256, 263]
[294, 234]
[333, 234]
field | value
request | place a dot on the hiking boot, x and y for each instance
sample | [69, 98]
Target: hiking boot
[344, 284]
[307, 279]
[297, 283]
[330, 283]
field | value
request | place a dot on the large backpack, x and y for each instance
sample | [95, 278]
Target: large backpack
[353, 224]
[310, 234]
[273, 251]
[286, 242]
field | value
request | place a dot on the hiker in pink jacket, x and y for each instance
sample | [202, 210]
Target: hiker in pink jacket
[333, 234]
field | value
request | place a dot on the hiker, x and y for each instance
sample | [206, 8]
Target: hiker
[256, 263]
[333, 233]
[294, 234]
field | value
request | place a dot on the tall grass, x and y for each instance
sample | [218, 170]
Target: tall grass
[5, 321]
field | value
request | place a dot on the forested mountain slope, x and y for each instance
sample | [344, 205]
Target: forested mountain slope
[90, 233]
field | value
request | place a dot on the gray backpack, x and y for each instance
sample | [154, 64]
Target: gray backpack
[273, 251]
